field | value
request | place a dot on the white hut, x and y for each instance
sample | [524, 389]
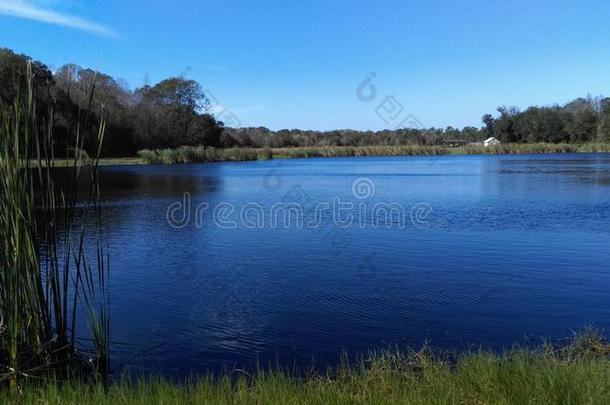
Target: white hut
[491, 141]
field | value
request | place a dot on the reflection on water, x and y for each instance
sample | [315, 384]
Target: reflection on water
[519, 246]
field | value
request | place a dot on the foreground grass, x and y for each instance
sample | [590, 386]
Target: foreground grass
[188, 154]
[576, 374]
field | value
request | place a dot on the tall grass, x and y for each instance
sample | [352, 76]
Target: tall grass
[188, 154]
[535, 148]
[578, 373]
[47, 282]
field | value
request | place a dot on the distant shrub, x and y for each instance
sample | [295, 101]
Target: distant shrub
[147, 156]
[266, 154]
[188, 154]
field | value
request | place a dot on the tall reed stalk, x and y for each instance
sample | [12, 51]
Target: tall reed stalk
[47, 282]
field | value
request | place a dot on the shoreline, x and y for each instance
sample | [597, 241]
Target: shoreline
[197, 154]
[577, 372]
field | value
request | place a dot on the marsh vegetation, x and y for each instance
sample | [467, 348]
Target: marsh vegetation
[194, 154]
[53, 317]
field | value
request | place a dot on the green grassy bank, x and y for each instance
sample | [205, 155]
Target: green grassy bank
[187, 154]
[576, 374]
[197, 154]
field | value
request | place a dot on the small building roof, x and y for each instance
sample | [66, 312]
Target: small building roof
[490, 139]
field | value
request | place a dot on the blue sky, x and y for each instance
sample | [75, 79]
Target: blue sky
[298, 64]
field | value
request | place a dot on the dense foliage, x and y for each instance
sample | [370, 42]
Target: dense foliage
[582, 120]
[174, 112]
[168, 114]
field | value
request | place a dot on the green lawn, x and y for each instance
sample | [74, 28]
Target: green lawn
[577, 374]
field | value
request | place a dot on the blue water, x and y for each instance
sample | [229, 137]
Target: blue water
[487, 251]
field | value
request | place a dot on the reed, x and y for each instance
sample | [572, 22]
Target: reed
[47, 281]
[194, 154]
[338, 151]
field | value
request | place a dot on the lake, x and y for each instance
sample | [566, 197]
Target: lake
[294, 262]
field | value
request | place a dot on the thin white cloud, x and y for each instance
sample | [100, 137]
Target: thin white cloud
[24, 9]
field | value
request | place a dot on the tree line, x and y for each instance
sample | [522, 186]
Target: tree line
[176, 112]
[579, 121]
[169, 114]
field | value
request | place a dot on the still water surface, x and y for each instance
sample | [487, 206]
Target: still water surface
[492, 250]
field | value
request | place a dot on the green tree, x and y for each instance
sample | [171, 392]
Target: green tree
[504, 126]
[603, 126]
[91, 91]
[172, 113]
[13, 70]
[490, 124]
[582, 120]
